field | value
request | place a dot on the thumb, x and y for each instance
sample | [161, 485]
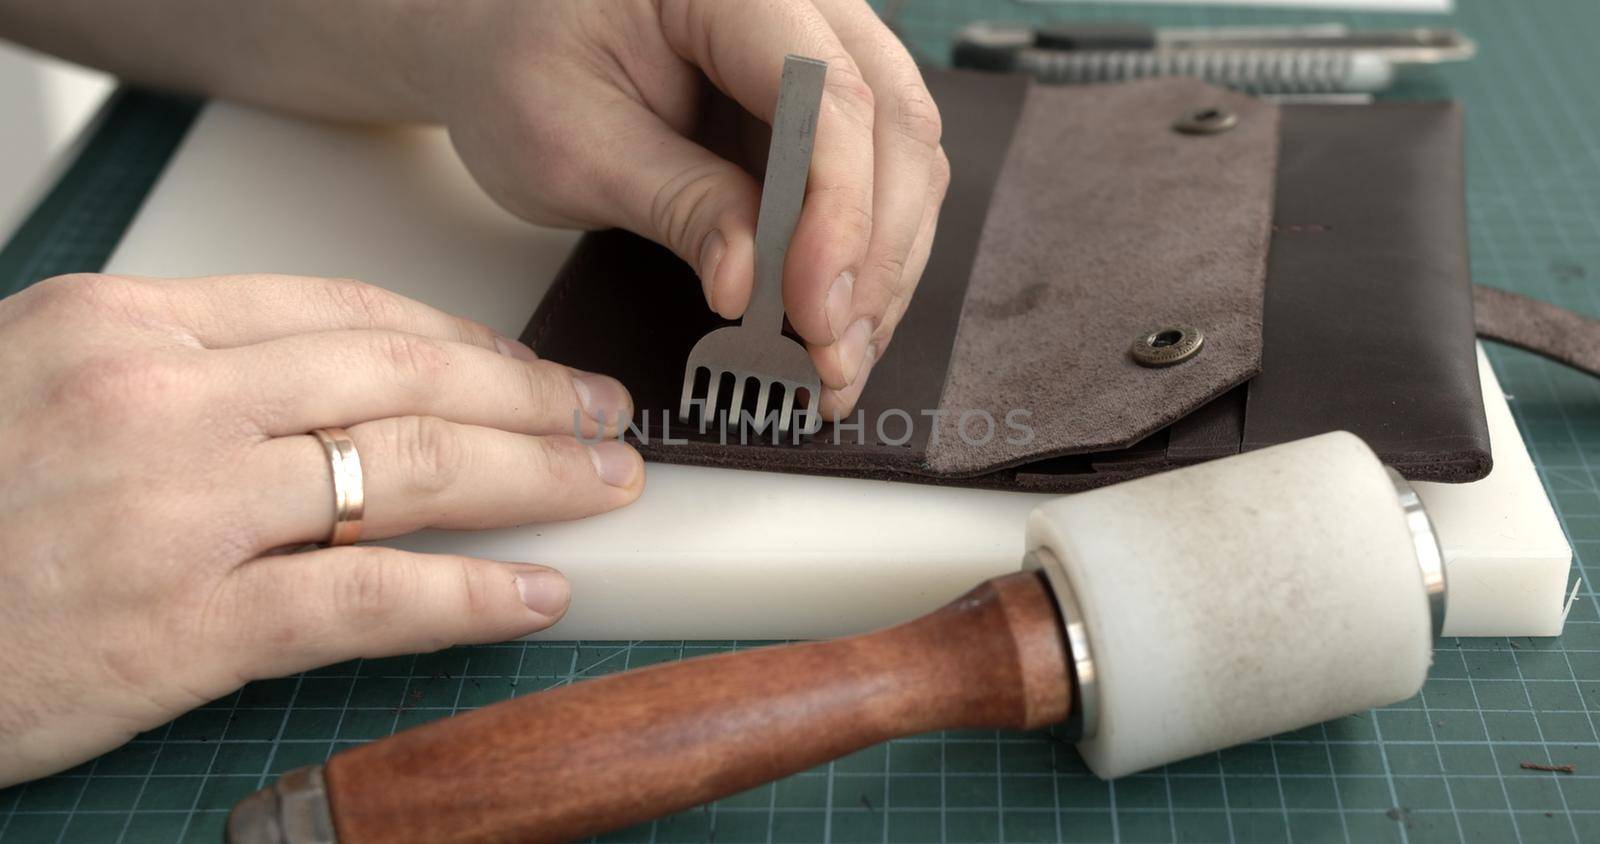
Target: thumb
[302, 611]
[686, 198]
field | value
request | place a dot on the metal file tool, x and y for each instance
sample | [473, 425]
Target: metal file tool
[756, 348]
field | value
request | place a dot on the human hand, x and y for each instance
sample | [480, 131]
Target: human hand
[600, 114]
[158, 480]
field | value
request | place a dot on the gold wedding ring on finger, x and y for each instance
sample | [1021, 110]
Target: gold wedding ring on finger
[349, 496]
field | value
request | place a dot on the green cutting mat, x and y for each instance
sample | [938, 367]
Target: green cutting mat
[1444, 766]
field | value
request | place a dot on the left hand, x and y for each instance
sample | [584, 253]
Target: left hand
[159, 487]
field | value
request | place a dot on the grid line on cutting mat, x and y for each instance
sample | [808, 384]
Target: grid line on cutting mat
[1444, 766]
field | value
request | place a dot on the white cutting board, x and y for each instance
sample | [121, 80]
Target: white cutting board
[705, 553]
[45, 104]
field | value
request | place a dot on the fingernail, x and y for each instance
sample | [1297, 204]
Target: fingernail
[545, 592]
[602, 398]
[841, 405]
[838, 303]
[853, 349]
[513, 348]
[614, 462]
[711, 251]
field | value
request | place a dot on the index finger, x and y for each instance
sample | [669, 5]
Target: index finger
[224, 312]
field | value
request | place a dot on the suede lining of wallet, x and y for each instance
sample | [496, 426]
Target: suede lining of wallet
[1106, 225]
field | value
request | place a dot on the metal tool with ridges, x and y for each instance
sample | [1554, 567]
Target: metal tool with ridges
[756, 348]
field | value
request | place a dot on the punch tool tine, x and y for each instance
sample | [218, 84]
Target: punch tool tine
[686, 398]
[736, 402]
[763, 394]
[708, 411]
[788, 407]
[813, 411]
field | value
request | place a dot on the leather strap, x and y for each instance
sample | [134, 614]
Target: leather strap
[1539, 327]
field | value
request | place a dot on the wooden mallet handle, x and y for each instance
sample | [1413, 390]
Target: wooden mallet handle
[606, 753]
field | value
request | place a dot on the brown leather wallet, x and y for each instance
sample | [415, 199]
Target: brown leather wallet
[1319, 249]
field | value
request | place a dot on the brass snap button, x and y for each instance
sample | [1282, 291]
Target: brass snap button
[1168, 345]
[1206, 121]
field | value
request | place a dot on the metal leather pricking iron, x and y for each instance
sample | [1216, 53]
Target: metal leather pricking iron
[756, 348]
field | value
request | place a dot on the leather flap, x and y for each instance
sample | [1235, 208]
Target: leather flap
[1077, 218]
[1368, 313]
[1105, 225]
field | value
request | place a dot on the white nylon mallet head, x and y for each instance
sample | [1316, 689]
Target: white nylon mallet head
[1241, 598]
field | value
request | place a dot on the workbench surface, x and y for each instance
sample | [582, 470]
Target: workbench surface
[1444, 766]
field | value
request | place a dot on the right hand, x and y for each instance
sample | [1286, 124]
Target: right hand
[159, 488]
[652, 116]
